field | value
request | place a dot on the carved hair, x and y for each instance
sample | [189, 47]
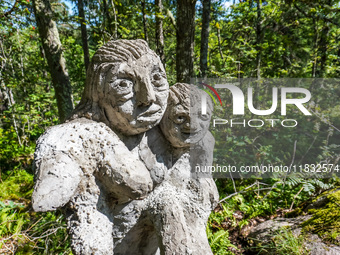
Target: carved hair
[181, 92]
[121, 51]
[107, 57]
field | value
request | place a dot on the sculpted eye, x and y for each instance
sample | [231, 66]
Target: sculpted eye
[121, 86]
[157, 76]
[179, 119]
[124, 83]
[204, 117]
[121, 83]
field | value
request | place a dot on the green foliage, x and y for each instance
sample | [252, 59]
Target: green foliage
[287, 243]
[219, 242]
[217, 236]
[27, 104]
[12, 218]
[314, 140]
[48, 234]
[24, 231]
[260, 200]
[75, 63]
[291, 44]
[17, 186]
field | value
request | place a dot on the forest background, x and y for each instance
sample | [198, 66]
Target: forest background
[42, 78]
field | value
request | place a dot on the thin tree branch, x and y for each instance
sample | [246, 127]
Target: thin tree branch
[10, 11]
[321, 17]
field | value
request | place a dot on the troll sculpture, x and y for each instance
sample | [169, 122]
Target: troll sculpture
[123, 181]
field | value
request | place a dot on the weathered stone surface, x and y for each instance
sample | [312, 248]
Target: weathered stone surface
[265, 231]
[182, 124]
[316, 247]
[125, 185]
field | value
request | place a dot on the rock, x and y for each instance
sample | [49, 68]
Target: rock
[262, 234]
[316, 247]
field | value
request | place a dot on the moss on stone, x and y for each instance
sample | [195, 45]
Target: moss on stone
[325, 221]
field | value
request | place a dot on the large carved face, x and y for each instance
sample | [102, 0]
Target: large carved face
[135, 94]
[183, 124]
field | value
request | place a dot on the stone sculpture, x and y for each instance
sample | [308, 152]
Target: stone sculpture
[124, 186]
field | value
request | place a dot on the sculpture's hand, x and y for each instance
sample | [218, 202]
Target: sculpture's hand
[124, 176]
[57, 181]
[122, 172]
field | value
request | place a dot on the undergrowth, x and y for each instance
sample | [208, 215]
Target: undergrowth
[231, 221]
[23, 231]
[218, 236]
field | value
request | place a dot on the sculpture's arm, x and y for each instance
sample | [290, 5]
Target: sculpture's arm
[66, 153]
[56, 182]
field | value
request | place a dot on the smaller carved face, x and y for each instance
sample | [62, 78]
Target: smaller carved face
[182, 126]
[136, 94]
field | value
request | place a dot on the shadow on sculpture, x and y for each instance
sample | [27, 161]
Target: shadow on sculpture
[125, 182]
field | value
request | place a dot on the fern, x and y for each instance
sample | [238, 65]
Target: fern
[219, 242]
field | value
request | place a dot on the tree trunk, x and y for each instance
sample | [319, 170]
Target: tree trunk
[315, 48]
[219, 40]
[258, 39]
[324, 47]
[53, 49]
[323, 44]
[205, 36]
[144, 22]
[107, 19]
[83, 33]
[337, 62]
[159, 30]
[185, 39]
[115, 32]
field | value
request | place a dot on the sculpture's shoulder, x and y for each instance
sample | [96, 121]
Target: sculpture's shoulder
[77, 127]
[75, 135]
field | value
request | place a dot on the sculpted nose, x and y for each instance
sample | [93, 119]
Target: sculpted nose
[190, 125]
[145, 94]
[193, 124]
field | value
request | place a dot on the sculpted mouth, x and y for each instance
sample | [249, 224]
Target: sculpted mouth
[189, 134]
[150, 112]
[124, 99]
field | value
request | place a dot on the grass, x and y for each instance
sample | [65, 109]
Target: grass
[284, 242]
